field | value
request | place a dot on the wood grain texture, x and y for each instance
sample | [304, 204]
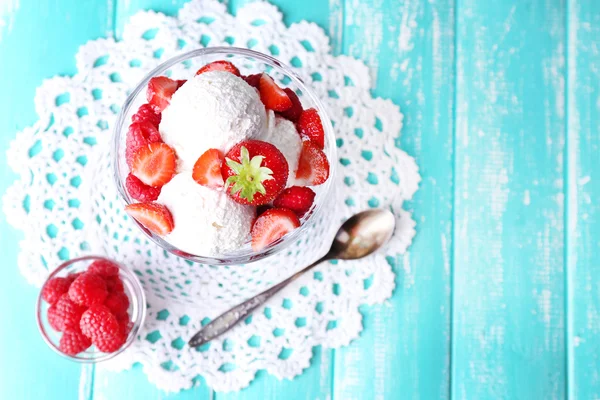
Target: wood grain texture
[508, 332]
[583, 214]
[403, 351]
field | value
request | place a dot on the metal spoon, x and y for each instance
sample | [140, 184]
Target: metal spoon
[358, 237]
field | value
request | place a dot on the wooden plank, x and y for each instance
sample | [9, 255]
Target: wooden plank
[38, 39]
[583, 215]
[508, 326]
[404, 348]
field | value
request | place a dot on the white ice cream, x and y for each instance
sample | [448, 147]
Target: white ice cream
[212, 110]
[207, 222]
[283, 134]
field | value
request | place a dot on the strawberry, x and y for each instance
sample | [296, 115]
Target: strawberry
[272, 96]
[220, 65]
[139, 191]
[313, 167]
[146, 112]
[254, 172]
[140, 134]
[310, 127]
[207, 170]
[252, 80]
[153, 216]
[180, 82]
[299, 199]
[293, 113]
[159, 92]
[272, 225]
[154, 164]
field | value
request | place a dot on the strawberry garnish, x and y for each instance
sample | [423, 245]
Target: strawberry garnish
[140, 134]
[254, 172]
[180, 82]
[293, 113]
[147, 112]
[160, 90]
[207, 170]
[299, 199]
[310, 127]
[220, 65]
[153, 216]
[154, 164]
[313, 167]
[252, 80]
[272, 225]
[272, 96]
[139, 191]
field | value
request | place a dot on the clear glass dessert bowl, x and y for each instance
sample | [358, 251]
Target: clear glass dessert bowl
[248, 62]
[136, 310]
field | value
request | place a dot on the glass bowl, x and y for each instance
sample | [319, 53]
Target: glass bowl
[137, 309]
[184, 66]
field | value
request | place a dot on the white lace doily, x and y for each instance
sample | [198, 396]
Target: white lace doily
[66, 204]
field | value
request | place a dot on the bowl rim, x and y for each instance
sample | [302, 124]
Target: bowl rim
[249, 256]
[138, 325]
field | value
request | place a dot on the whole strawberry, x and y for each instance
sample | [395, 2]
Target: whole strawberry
[299, 199]
[88, 289]
[255, 172]
[55, 288]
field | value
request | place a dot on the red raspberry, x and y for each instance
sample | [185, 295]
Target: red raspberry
[73, 343]
[98, 321]
[104, 268]
[299, 199]
[146, 112]
[114, 284]
[55, 288]
[88, 289]
[72, 277]
[139, 191]
[125, 323]
[117, 302]
[140, 134]
[66, 315]
[54, 320]
[109, 344]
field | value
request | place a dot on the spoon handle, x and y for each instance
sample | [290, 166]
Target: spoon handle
[229, 319]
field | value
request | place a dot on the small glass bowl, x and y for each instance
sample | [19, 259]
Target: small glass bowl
[137, 309]
[249, 62]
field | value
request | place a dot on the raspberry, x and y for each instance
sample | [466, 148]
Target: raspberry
[146, 112]
[109, 344]
[88, 289]
[104, 268]
[66, 315]
[125, 323]
[72, 277]
[117, 302]
[73, 343]
[98, 321]
[139, 191]
[114, 284]
[54, 320]
[55, 288]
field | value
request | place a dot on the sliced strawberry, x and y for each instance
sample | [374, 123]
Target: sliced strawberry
[140, 134]
[207, 170]
[220, 65]
[153, 216]
[254, 172]
[299, 199]
[160, 90]
[180, 82]
[155, 164]
[293, 113]
[147, 112]
[252, 80]
[139, 191]
[310, 127]
[272, 96]
[272, 225]
[313, 167]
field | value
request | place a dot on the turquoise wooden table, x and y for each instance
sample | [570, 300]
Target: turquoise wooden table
[500, 294]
